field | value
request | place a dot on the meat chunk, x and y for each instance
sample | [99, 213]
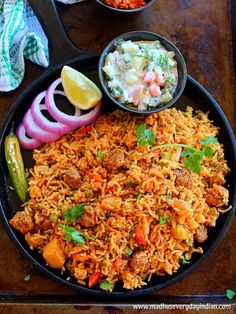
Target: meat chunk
[46, 224]
[184, 178]
[114, 160]
[73, 178]
[217, 196]
[35, 240]
[22, 222]
[201, 234]
[88, 218]
[140, 262]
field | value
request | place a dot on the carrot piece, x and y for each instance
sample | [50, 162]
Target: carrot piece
[93, 279]
[140, 236]
[154, 90]
[118, 263]
[156, 151]
[179, 232]
[161, 129]
[82, 258]
[160, 80]
[95, 176]
[149, 77]
[34, 192]
[83, 130]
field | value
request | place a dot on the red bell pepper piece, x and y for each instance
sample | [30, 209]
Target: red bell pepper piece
[93, 279]
[95, 176]
[118, 263]
[140, 236]
[83, 130]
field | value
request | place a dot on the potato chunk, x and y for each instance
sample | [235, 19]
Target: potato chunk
[53, 254]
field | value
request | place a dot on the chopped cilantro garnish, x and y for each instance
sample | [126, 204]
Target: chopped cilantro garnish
[163, 220]
[100, 155]
[145, 136]
[138, 198]
[71, 234]
[207, 151]
[128, 251]
[194, 156]
[169, 81]
[85, 235]
[230, 294]
[106, 285]
[209, 140]
[163, 61]
[184, 261]
[74, 213]
[187, 152]
[193, 162]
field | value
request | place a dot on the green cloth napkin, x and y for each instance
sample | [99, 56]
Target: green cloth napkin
[21, 36]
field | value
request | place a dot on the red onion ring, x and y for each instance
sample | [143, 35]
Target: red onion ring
[34, 131]
[89, 117]
[42, 121]
[26, 142]
[57, 114]
[74, 121]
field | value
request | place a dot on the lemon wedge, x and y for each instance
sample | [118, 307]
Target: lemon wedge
[79, 89]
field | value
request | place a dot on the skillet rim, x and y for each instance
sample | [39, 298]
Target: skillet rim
[129, 293]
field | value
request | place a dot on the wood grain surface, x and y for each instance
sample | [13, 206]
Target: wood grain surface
[201, 29]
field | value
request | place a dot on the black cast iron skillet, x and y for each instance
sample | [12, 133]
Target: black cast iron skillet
[63, 52]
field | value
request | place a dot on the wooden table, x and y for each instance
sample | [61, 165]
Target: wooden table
[202, 31]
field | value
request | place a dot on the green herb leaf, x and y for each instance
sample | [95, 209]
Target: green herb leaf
[100, 155]
[138, 198]
[209, 140]
[207, 151]
[169, 81]
[74, 213]
[145, 136]
[194, 156]
[77, 237]
[193, 162]
[163, 220]
[186, 152]
[230, 294]
[163, 60]
[87, 236]
[27, 278]
[128, 251]
[184, 261]
[207, 145]
[106, 285]
[71, 234]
